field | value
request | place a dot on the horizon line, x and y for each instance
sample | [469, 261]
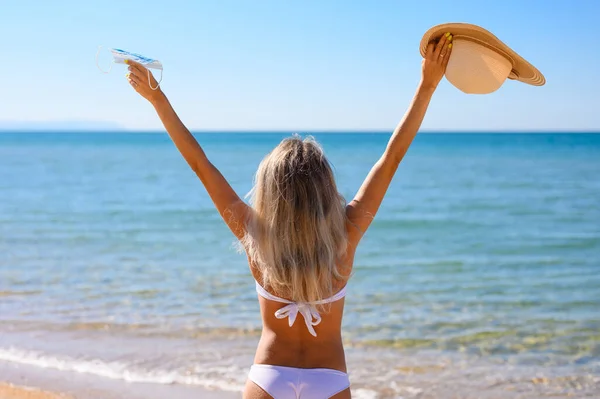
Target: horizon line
[299, 131]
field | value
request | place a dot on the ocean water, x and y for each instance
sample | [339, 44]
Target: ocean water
[479, 278]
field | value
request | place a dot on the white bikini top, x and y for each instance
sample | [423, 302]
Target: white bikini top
[306, 309]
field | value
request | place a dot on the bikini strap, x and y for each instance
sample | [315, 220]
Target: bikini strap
[307, 310]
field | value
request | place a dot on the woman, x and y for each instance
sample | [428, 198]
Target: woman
[300, 239]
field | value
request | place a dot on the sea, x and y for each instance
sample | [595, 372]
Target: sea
[479, 277]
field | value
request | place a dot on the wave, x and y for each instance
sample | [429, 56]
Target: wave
[121, 370]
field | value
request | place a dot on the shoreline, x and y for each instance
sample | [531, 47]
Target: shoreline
[20, 381]
[106, 365]
[438, 375]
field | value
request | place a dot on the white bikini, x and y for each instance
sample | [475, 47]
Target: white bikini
[296, 383]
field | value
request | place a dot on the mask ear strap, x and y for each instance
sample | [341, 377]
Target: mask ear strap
[98, 65]
[158, 84]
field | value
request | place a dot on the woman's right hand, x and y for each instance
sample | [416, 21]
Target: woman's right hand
[142, 81]
[435, 61]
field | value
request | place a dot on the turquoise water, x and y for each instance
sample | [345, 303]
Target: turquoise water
[486, 249]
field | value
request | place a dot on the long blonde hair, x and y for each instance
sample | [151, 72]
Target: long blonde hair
[297, 235]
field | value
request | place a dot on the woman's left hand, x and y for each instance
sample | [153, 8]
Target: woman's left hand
[142, 80]
[436, 60]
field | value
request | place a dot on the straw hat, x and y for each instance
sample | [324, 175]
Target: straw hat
[480, 62]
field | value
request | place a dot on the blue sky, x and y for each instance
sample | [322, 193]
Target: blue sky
[291, 65]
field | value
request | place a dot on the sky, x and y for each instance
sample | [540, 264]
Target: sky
[289, 65]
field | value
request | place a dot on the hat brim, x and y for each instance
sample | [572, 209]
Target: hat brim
[522, 70]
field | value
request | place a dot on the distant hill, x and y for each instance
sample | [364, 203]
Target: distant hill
[17, 126]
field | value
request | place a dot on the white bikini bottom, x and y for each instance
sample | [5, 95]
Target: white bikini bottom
[293, 383]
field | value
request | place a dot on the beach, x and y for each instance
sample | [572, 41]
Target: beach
[478, 278]
[10, 391]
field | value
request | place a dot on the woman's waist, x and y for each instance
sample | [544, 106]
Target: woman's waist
[290, 350]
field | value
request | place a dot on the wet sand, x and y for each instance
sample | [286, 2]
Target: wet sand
[10, 391]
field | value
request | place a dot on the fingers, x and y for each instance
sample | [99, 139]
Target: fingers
[140, 72]
[136, 67]
[430, 49]
[447, 56]
[445, 48]
[133, 64]
[132, 82]
[132, 79]
[132, 76]
[439, 45]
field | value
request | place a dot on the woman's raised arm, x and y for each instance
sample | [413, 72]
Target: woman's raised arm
[362, 209]
[233, 210]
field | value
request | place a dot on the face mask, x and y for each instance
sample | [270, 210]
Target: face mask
[119, 57]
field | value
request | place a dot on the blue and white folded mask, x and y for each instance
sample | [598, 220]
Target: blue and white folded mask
[119, 57]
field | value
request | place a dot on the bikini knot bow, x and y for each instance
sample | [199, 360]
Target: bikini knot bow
[309, 313]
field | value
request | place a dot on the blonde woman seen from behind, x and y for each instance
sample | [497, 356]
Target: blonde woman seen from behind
[300, 238]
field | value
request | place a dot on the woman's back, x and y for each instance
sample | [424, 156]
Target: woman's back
[295, 346]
